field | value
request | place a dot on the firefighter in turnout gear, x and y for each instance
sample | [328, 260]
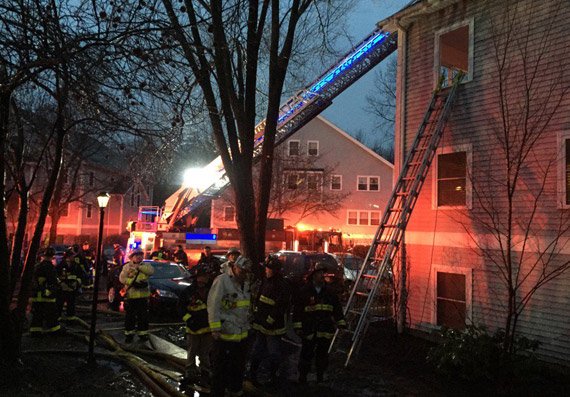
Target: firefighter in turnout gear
[192, 305]
[45, 286]
[134, 277]
[70, 275]
[228, 315]
[270, 309]
[316, 314]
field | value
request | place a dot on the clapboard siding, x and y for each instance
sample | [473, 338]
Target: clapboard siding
[473, 123]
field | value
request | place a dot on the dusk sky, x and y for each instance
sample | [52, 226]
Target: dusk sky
[348, 110]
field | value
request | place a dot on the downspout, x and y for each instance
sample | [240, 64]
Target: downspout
[399, 148]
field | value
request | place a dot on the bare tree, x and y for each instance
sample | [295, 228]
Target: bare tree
[235, 50]
[513, 197]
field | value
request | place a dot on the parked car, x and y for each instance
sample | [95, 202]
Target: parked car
[298, 265]
[59, 252]
[166, 285]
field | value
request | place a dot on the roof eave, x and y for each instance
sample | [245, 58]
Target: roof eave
[410, 14]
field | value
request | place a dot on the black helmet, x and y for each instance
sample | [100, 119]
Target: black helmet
[319, 267]
[272, 263]
[48, 252]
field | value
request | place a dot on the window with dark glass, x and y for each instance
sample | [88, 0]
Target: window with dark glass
[229, 214]
[336, 182]
[91, 179]
[352, 217]
[451, 179]
[89, 211]
[313, 148]
[453, 54]
[451, 300]
[292, 181]
[294, 148]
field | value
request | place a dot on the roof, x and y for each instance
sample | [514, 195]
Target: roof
[413, 11]
[355, 141]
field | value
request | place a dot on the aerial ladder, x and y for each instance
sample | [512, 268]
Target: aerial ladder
[361, 306]
[294, 114]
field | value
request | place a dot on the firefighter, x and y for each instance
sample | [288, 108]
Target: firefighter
[45, 286]
[231, 257]
[316, 314]
[134, 277]
[118, 255]
[88, 256]
[192, 305]
[270, 309]
[209, 262]
[228, 315]
[70, 275]
[180, 256]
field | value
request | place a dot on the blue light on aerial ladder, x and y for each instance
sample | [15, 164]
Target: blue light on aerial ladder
[201, 236]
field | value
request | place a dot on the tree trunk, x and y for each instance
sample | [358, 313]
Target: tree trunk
[18, 241]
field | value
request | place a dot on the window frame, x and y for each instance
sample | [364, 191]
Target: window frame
[368, 183]
[319, 181]
[91, 177]
[561, 171]
[368, 217]
[309, 148]
[225, 213]
[465, 271]
[331, 185]
[436, 66]
[287, 175]
[289, 147]
[468, 149]
[89, 211]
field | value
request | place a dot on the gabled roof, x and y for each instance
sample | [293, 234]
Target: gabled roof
[355, 142]
[413, 11]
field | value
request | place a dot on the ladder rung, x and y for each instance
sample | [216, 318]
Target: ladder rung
[395, 210]
[369, 276]
[354, 311]
[359, 293]
[390, 226]
[402, 193]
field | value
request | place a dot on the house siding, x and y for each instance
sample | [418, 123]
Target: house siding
[547, 317]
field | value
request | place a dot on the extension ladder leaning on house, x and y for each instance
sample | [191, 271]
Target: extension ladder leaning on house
[359, 308]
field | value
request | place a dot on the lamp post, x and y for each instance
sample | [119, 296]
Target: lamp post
[102, 200]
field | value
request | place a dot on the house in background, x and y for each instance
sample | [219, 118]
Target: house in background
[326, 185]
[511, 109]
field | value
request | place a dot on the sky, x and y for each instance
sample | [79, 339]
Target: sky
[348, 109]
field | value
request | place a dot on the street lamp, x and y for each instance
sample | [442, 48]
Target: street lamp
[102, 200]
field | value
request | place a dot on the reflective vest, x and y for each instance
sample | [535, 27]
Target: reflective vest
[45, 283]
[195, 310]
[271, 306]
[70, 276]
[229, 307]
[135, 279]
[317, 313]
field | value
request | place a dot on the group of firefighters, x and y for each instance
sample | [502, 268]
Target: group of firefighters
[232, 320]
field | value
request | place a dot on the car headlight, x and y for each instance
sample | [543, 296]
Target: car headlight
[165, 294]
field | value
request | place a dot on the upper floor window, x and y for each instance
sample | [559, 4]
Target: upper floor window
[452, 179]
[368, 183]
[313, 148]
[229, 214]
[132, 200]
[294, 148]
[314, 180]
[454, 52]
[336, 182]
[89, 213]
[292, 180]
[363, 218]
[91, 179]
[64, 210]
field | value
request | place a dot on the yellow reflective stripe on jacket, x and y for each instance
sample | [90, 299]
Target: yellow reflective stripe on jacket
[270, 320]
[195, 308]
[186, 317]
[326, 335]
[267, 300]
[198, 331]
[71, 277]
[242, 303]
[137, 294]
[341, 322]
[298, 325]
[263, 330]
[317, 307]
[41, 298]
[234, 337]
[215, 325]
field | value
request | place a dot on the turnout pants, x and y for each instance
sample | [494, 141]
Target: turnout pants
[136, 319]
[201, 346]
[44, 318]
[317, 348]
[68, 298]
[228, 366]
[266, 347]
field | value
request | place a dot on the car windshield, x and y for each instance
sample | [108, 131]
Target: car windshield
[352, 263]
[168, 270]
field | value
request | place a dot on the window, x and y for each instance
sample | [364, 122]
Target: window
[294, 148]
[229, 214]
[336, 182]
[64, 210]
[363, 218]
[314, 180]
[132, 201]
[292, 181]
[451, 179]
[454, 52]
[313, 148]
[91, 179]
[567, 170]
[138, 200]
[368, 183]
[89, 211]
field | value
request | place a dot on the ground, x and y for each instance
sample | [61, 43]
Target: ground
[388, 365]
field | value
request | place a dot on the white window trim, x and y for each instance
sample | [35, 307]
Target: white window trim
[468, 149]
[289, 147]
[457, 25]
[340, 176]
[318, 150]
[561, 169]
[368, 183]
[468, 273]
[358, 212]
[224, 213]
[319, 180]
[348, 217]
[287, 174]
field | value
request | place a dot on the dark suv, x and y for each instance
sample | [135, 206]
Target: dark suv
[298, 265]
